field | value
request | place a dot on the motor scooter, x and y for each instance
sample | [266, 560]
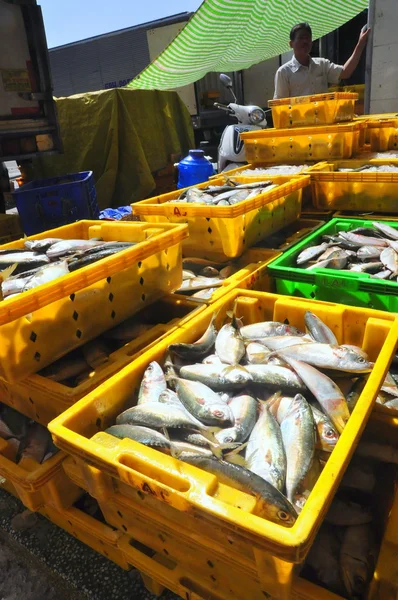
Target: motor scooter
[231, 151]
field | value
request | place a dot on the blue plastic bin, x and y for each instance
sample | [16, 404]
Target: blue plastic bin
[48, 203]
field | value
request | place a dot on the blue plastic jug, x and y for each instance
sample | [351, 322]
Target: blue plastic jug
[193, 169]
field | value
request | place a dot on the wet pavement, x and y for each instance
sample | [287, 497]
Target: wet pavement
[42, 559]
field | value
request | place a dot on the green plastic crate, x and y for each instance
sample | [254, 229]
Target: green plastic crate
[344, 287]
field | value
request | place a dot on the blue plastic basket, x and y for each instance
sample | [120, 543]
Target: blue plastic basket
[48, 203]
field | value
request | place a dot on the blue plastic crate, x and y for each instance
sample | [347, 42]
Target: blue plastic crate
[48, 203]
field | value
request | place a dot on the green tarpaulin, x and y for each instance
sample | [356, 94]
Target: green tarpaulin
[230, 35]
[124, 136]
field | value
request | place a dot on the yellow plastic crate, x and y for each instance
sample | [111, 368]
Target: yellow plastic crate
[348, 214]
[47, 322]
[42, 399]
[95, 534]
[252, 274]
[375, 118]
[383, 134]
[200, 558]
[223, 232]
[303, 143]
[128, 465]
[318, 109]
[356, 191]
[182, 559]
[35, 484]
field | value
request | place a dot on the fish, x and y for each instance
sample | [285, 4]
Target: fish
[89, 259]
[344, 513]
[157, 415]
[275, 376]
[265, 452]
[389, 258]
[271, 503]
[257, 354]
[328, 436]
[13, 421]
[355, 393]
[298, 436]
[64, 368]
[278, 342]
[138, 433]
[204, 294]
[311, 253]
[46, 274]
[386, 230]
[96, 353]
[362, 240]
[41, 245]
[199, 283]
[325, 391]
[127, 331]
[357, 559]
[229, 344]
[200, 348]
[369, 252]
[188, 274]
[152, 385]
[209, 271]
[369, 267]
[204, 404]
[279, 406]
[318, 330]
[217, 377]
[35, 444]
[324, 560]
[70, 247]
[327, 356]
[259, 331]
[244, 412]
[228, 271]
[385, 274]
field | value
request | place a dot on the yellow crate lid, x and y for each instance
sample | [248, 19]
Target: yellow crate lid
[297, 131]
[313, 98]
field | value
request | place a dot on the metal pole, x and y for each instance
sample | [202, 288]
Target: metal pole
[369, 56]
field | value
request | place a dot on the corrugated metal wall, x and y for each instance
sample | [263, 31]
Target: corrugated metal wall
[102, 62]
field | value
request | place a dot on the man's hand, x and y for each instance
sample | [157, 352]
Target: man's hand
[363, 37]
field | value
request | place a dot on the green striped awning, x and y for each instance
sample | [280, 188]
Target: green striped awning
[230, 35]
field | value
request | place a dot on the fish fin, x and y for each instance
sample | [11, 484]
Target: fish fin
[269, 401]
[211, 438]
[237, 450]
[173, 450]
[286, 322]
[8, 272]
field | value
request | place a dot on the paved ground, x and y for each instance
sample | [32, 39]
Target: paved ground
[35, 562]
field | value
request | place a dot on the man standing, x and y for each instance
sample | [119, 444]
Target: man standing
[303, 75]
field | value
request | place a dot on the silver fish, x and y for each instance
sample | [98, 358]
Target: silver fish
[200, 348]
[230, 347]
[258, 331]
[362, 240]
[311, 253]
[318, 330]
[265, 452]
[138, 433]
[276, 377]
[368, 252]
[386, 230]
[152, 385]
[271, 504]
[298, 435]
[157, 415]
[204, 404]
[218, 377]
[70, 246]
[357, 559]
[327, 356]
[389, 258]
[244, 411]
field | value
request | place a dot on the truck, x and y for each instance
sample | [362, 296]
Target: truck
[28, 120]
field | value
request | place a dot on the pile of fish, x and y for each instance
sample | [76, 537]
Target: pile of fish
[274, 170]
[371, 169]
[372, 250]
[201, 277]
[343, 556]
[257, 405]
[25, 438]
[83, 363]
[42, 261]
[223, 195]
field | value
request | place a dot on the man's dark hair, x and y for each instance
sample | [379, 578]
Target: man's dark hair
[297, 28]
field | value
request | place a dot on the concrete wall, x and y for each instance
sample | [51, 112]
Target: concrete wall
[384, 81]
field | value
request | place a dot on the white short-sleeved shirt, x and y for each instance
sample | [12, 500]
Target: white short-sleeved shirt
[293, 79]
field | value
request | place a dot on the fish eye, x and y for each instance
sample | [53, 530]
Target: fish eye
[329, 433]
[218, 413]
[361, 359]
[283, 516]
[358, 580]
[228, 439]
